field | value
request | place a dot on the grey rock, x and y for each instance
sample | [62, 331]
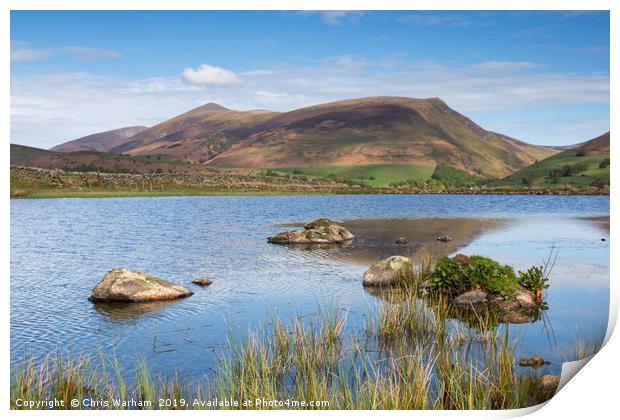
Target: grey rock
[320, 231]
[535, 362]
[121, 284]
[471, 298]
[526, 299]
[388, 272]
[202, 281]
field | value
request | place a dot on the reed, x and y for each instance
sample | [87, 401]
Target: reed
[412, 355]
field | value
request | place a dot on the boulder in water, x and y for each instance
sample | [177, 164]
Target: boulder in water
[388, 272]
[124, 285]
[319, 231]
[202, 281]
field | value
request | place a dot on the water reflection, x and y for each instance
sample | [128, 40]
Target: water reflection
[123, 311]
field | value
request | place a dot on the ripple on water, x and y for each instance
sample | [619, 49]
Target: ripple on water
[61, 248]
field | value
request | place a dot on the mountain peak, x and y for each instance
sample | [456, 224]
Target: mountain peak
[211, 106]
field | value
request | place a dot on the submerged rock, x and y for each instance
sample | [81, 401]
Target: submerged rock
[388, 272]
[202, 281]
[535, 362]
[320, 231]
[472, 298]
[124, 285]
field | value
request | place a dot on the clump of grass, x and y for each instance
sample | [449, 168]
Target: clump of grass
[412, 356]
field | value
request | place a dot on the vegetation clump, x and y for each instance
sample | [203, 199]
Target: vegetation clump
[461, 274]
[534, 279]
[453, 177]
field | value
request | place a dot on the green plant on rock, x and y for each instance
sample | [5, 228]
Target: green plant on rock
[458, 276]
[448, 276]
[533, 279]
[491, 276]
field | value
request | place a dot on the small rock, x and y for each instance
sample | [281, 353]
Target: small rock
[202, 281]
[402, 241]
[535, 362]
[472, 298]
[549, 384]
[526, 299]
[515, 317]
[124, 285]
[387, 272]
[444, 238]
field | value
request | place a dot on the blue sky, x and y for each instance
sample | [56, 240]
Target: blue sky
[541, 77]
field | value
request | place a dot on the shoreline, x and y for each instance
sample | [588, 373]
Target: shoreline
[31, 182]
[241, 193]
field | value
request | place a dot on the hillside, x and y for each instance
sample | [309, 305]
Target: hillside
[96, 161]
[197, 135]
[356, 137]
[585, 164]
[379, 130]
[100, 142]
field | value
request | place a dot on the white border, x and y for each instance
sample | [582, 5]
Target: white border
[593, 394]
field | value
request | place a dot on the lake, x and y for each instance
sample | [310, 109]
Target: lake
[61, 248]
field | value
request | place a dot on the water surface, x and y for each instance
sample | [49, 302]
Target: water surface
[61, 248]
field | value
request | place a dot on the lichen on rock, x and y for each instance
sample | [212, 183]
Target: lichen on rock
[124, 285]
[319, 231]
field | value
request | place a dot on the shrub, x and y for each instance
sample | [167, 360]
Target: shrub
[478, 272]
[604, 163]
[453, 177]
[533, 279]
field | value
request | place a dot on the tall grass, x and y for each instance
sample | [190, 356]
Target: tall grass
[410, 356]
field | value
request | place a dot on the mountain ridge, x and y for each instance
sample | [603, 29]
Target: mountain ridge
[362, 131]
[103, 141]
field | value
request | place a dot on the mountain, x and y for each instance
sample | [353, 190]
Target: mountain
[379, 130]
[197, 135]
[583, 164]
[100, 142]
[85, 160]
[377, 139]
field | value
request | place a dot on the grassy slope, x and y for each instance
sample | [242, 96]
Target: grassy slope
[374, 175]
[539, 172]
[378, 130]
[103, 161]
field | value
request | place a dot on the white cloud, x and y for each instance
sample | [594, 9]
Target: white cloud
[210, 75]
[92, 53]
[21, 51]
[28, 54]
[427, 19]
[335, 17]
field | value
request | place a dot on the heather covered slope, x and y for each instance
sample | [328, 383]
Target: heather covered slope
[100, 142]
[584, 164]
[197, 135]
[85, 160]
[378, 130]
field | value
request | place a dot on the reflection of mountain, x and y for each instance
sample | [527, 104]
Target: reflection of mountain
[124, 311]
[376, 239]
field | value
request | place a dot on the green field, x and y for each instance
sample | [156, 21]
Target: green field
[374, 175]
[584, 170]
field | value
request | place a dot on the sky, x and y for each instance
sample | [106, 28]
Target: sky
[540, 77]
